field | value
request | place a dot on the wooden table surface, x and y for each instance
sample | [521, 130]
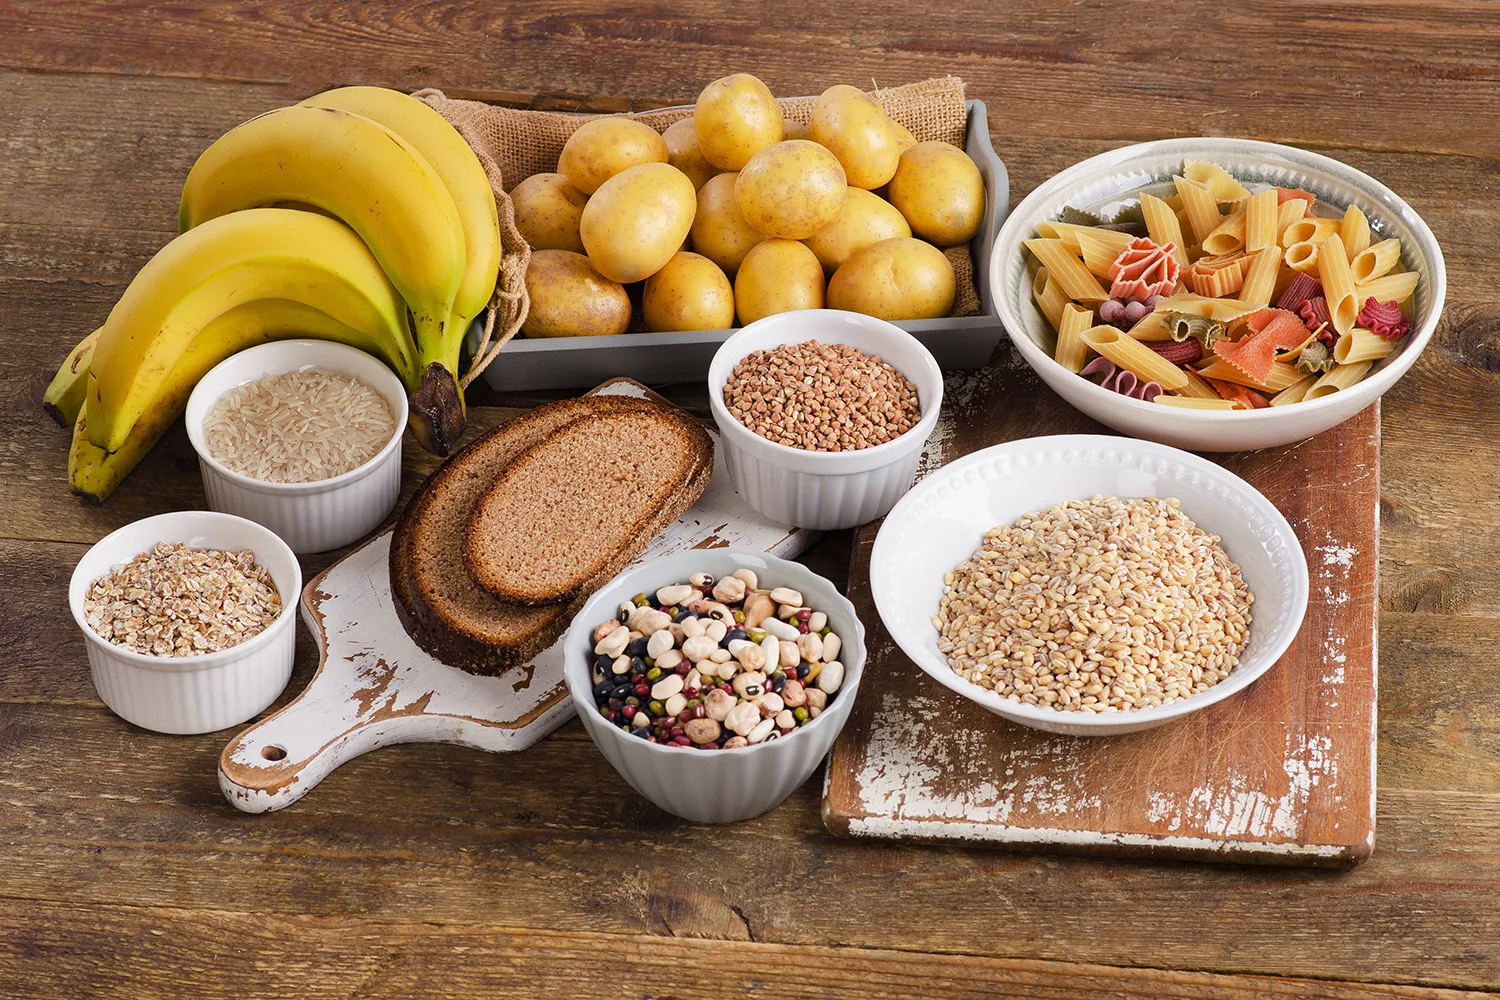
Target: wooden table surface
[442, 871]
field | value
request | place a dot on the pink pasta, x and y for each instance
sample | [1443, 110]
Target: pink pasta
[1179, 352]
[1143, 268]
[1121, 381]
[1385, 320]
[1302, 288]
[1315, 317]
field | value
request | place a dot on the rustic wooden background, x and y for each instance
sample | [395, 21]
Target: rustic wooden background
[441, 871]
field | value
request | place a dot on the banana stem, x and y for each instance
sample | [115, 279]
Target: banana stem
[436, 410]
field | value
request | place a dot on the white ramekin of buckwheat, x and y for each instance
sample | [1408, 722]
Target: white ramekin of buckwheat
[823, 414]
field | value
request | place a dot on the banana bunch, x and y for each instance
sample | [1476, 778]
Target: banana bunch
[392, 246]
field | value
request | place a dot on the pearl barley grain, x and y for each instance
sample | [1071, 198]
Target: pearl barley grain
[821, 397]
[1100, 605]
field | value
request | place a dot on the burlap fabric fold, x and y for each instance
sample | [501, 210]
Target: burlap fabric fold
[513, 144]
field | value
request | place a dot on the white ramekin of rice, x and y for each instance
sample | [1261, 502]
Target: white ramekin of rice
[311, 516]
[204, 692]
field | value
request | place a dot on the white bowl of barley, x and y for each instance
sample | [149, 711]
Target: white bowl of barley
[204, 692]
[941, 522]
[825, 490]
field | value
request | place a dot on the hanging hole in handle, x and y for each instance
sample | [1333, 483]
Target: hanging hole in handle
[273, 752]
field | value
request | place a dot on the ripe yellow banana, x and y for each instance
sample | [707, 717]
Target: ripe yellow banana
[94, 472]
[64, 397]
[386, 191]
[262, 253]
[461, 172]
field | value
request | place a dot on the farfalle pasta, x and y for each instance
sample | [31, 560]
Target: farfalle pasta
[1222, 295]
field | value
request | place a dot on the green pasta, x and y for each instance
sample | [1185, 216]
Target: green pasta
[1201, 328]
[1316, 358]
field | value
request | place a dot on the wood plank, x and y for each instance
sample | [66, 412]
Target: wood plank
[160, 950]
[458, 836]
[1022, 55]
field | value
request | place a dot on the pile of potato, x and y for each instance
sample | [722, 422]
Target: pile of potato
[735, 212]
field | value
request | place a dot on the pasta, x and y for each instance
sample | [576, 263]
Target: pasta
[1067, 270]
[1311, 230]
[1049, 298]
[1071, 350]
[1260, 279]
[1229, 237]
[1338, 283]
[1142, 362]
[1199, 206]
[1396, 287]
[1197, 403]
[1260, 221]
[1354, 231]
[1361, 345]
[1341, 377]
[1217, 297]
[1375, 261]
[1162, 226]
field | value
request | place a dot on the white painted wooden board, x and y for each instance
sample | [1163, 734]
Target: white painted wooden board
[374, 687]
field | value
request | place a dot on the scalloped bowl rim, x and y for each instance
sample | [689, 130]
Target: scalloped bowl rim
[1020, 226]
[886, 585]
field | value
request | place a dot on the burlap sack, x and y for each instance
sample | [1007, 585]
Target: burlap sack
[513, 144]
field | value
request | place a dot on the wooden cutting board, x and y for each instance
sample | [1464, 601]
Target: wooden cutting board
[1283, 773]
[374, 687]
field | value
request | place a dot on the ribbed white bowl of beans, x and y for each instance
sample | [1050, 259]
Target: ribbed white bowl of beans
[819, 489]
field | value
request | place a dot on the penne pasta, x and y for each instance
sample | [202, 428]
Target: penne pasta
[1098, 254]
[1282, 375]
[1302, 257]
[1174, 202]
[1260, 280]
[1198, 403]
[1310, 230]
[1260, 221]
[1067, 270]
[1197, 387]
[1049, 298]
[1361, 345]
[1354, 231]
[1229, 237]
[1294, 392]
[1396, 287]
[1287, 213]
[1338, 283]
[1375, 261]
[1068, 233]
[1222, 310]
[1163, 227]
[1219, 181]
[1339, 377]
[1071, 351]
[1199, 206]
[1141, 361]
[1153, 326]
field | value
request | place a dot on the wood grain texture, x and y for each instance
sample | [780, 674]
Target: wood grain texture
[445, 871]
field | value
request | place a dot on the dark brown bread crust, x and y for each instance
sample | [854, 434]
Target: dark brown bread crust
[446, 637]
[696, 462]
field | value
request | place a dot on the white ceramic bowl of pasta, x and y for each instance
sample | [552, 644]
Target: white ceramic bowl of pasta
[943, 519]
[1113, 180]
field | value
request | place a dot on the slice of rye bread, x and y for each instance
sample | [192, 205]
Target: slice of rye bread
[569, 513]
[436, 600]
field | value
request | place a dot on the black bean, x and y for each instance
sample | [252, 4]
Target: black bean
[637, 647]
[601, 663]
[638, 665]
[683, 616]
[623, 616]
[603, 690]
[644, 732]
[733, 634]
[778, 684]
[803, 671]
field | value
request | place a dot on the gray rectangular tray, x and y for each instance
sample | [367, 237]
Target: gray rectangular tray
[661, 358]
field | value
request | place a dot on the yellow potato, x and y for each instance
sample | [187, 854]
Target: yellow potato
[548, 210]
[791, 190]
[866, 219]
[719, 231]
[939, 190]
[777, 276]
[683, 152]
[569, 298]
[605, 146]
[857, 131]
[904, 136]
[735, 118]
[637, 220]
[690, 293]
[900, 278]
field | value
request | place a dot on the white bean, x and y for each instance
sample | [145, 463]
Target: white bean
[748, 575]
[780, 629]
[817, 620]
[810, 645]
[659, 643]
[831, 646]
[786, 595]
[761, 731]
[613, 644]
[832, 677]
